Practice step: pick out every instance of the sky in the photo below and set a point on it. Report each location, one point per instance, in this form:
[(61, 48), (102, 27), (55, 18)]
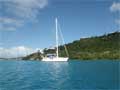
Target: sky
[(29, 25)]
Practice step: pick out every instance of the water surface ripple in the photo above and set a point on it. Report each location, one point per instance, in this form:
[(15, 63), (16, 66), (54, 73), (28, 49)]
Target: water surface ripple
[(72, 75)]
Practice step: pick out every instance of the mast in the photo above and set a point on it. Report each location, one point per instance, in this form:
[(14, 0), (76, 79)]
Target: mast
[(56, 22)]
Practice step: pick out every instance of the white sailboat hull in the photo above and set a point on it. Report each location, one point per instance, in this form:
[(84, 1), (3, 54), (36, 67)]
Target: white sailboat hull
[(55, 59)]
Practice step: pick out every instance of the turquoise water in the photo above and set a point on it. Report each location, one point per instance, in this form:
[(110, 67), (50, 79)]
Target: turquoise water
[(72, 75)]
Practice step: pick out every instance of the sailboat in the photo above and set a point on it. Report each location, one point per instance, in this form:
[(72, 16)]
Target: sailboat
[(55, 57)]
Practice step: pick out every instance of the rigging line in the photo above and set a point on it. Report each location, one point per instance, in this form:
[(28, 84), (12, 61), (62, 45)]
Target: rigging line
[(53, 36), (66, 50), (118, 20)]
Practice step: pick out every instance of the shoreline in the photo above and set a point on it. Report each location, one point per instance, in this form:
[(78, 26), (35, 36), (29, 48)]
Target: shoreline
[(68, 60)]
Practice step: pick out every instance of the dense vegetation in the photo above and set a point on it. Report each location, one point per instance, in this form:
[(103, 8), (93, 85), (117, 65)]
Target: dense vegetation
[(98, 47)]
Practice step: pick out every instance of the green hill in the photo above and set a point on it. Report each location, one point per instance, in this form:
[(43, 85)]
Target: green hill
[(98, 47)]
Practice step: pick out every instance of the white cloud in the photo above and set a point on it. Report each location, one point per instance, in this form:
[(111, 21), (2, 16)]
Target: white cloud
[(6, 20), (16, 51), (10, 28), (10, 24), (115, 7), (17, 11), (24, 8)]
